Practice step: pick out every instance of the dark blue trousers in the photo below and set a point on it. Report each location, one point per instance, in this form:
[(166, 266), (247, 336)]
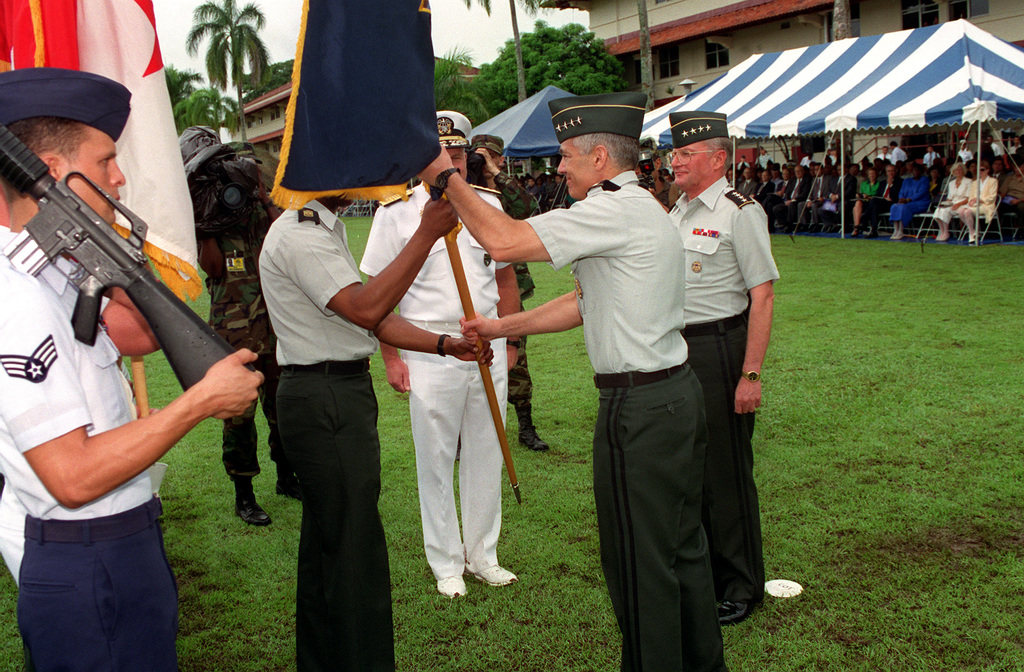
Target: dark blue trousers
[(108, 605)]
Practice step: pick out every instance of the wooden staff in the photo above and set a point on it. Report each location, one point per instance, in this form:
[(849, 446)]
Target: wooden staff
[(139, 385), (485, 371)]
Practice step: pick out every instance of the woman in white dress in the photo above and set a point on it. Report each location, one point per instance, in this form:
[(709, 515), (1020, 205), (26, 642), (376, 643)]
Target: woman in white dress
[(986, 204), (957, 195)]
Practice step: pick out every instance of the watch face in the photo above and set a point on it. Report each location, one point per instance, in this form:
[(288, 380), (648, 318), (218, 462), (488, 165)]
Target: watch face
[(752, 376)]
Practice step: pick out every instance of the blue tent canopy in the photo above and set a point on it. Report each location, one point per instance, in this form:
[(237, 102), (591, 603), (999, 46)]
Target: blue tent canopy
[(526, 128), (950, 74)]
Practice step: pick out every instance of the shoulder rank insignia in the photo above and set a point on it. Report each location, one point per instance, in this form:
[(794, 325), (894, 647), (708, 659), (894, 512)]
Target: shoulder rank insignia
[(739, 199), (396, 198), (608, 185), (309, 215), (488, 190), (34, 367)]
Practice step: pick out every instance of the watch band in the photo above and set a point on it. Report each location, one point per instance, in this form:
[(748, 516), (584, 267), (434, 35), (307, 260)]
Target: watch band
[(440, 344), (514, 342), (441, 181)]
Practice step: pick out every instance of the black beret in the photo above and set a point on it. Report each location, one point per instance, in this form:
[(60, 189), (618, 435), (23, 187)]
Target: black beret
[(69, 94), (691, 127), (619, 113)]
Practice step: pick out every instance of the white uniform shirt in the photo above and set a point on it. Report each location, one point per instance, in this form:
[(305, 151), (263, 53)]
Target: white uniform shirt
[(433, 296), (728, 251), (628, 263), (897, 155), (302, 266), (82, 387)]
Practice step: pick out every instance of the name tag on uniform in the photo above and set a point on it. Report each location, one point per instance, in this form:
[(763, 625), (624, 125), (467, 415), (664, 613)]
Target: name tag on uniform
[(705, 232), (235, 264)]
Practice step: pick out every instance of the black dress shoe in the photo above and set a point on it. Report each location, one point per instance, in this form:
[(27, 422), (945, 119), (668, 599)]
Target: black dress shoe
[(289, 487), (732, 613), (252, 513), (871, 234)]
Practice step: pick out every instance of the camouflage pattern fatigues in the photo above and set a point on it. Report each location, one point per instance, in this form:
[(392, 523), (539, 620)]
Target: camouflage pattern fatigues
[(518, 203), (238, 313)]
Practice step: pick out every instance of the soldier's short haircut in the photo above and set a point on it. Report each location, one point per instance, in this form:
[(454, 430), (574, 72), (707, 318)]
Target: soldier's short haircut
[(54, 135), (623, 150), (723, 144)]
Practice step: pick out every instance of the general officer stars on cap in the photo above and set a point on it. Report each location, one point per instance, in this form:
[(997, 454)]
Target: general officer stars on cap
[(691, 127), (619, 113)]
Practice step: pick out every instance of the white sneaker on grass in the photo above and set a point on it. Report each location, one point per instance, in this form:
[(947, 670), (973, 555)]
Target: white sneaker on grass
[(496, 576), (452, 586)]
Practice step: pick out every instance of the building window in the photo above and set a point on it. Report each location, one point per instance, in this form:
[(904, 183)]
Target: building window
[(919, 13), (668, 61), (965, 9), (275, 113), (716, 55)]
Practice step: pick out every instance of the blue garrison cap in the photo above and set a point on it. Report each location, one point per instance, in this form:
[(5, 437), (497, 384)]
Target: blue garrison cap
[(70, 94)]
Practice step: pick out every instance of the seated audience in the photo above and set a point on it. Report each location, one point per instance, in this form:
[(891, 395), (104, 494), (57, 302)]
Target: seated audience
[(887, 195), (1011, 196), (913, 199), (935, 179), (748, 183), (868, 190), (840, 192), (957, 195), (784, 186), (929, 156), (794, 198), (985, 203)]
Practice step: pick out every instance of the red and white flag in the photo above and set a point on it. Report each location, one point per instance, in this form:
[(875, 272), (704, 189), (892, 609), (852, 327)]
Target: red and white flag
[(118, 39)]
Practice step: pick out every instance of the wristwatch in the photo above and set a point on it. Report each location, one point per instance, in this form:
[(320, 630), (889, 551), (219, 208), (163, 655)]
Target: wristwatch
[(752, 376), (441, 181)]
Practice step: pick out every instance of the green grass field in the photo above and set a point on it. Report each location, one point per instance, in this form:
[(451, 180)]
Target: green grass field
[(889, 464)]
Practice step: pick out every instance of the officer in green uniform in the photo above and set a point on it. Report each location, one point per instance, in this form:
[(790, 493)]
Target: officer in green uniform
[(729, 298), (239, 315), (517, 203), (327, 323), (650, 435)]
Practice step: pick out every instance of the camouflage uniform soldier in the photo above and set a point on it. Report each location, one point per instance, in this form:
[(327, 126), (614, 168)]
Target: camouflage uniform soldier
[(519, 204), (238, 313)]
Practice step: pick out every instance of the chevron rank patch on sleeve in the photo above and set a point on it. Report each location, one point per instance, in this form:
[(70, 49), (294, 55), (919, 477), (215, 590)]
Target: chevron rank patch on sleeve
[(36, 366)]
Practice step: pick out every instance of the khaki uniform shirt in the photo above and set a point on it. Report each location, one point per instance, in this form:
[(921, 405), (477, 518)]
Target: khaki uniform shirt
[(728, 251), (627, 260), (304, 263)]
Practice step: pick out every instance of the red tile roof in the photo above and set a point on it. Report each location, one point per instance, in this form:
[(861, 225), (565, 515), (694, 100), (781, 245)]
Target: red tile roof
[(717, 22)]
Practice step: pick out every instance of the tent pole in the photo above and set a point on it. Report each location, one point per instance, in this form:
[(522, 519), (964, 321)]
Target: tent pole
[(734, 164), (842, 186), (977, 189)]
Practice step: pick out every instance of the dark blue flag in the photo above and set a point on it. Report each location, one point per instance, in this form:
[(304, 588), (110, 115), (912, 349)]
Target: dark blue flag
[(361, 119)]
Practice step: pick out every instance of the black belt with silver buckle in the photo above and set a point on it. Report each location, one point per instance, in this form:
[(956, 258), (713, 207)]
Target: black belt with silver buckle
[(634, 378), (349, 368), (104, 528), (716, 327)]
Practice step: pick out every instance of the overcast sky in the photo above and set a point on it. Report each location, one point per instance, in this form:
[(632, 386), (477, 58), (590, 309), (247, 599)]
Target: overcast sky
[(453, 26)]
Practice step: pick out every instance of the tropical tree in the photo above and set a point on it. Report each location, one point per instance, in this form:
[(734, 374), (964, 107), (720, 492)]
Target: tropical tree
[(234, 46), (570, 57), (531, 8), (841, 19), (453, 90), (207, 107), (180, 83), (646, 66)]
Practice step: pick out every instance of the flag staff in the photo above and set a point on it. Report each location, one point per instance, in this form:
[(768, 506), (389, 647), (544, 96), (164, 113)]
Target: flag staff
[(485, 371)]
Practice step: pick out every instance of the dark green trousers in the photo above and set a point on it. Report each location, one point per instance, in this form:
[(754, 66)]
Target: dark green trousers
[(648, 468), (343, 609), (731, 513)]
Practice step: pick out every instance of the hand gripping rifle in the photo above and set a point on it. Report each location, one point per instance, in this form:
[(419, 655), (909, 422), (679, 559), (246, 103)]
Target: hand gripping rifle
[(66, 225)]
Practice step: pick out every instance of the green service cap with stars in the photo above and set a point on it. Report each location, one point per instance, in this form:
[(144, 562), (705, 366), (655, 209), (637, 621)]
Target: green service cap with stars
[(620, 113), (691, 127)]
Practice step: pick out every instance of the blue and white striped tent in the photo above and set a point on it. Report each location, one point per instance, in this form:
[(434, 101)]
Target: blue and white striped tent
[(951, 74)]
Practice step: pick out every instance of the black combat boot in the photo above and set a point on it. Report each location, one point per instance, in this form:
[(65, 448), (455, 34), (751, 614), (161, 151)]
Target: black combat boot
[(246, 507), (527, 432)]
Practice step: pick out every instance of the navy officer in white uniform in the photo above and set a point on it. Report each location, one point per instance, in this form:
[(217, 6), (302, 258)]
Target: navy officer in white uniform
[(730, 274), (650, 435), (447, 399), (95, 591)]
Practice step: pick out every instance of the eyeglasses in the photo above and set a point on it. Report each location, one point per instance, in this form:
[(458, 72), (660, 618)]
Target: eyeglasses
[(684, 156)]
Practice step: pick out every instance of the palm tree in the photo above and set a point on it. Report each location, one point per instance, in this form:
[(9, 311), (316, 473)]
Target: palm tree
[(234, 45), (646, 68), (207, 107), (453, 90), (180, 83), (841, 19), (531, 7)]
